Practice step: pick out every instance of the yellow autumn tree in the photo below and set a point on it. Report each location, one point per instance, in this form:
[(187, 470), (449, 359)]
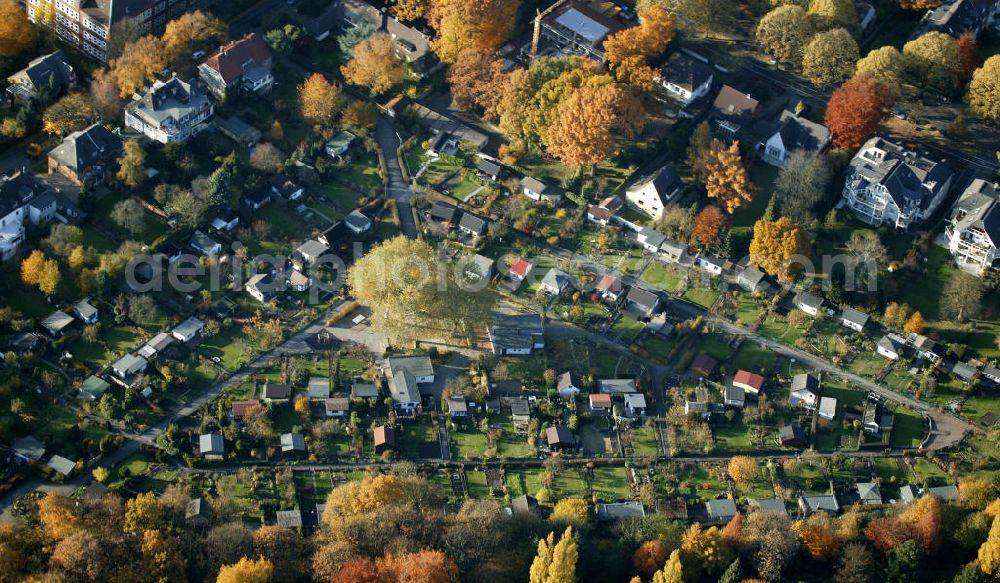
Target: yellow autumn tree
[(989, 552), (461, 24), (319, 99), (138, 64), (573, 510), (819, 536), (629, 51), (374, 64), (50, 277), (130, 166), (590, 121), (190, 29), (408, 10), (16, 32), (247, 571), (672, 572), (555, 562), (71, 113), (705, 549), (32, 267), (727, 179), (776, 245), (742, 469), (916, 323)]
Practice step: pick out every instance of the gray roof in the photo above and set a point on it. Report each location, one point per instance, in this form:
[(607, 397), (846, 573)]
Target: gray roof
[(490, 167), (791, 432), (643, 297), (520, 407), (87, 147), (805, 381), (403, 387), (620, 510), (202, 241), (443, 212), (538, 186), (887, 342), (808, 299), (912, 181), (129, 364), (29, 447), (197, 508), (168, 102), (189, 327), (292, 442), (869, 492), (413, 44), (991, 371), (312, 249), (47, 71), (722, 509), (827, 502), (964, 370), (665, 181), (798, 133), (419, 365), (617, 386), (908, 493), (288, 518), (57, 321), (364, 390), (440, 123), (358, 221), (523, 504), (734, 394), (635, 400), (686, 72), (473, 223), (856, 316), (652, 237), (319, 387), (557, 279), (61, 465), (946, 493), (277, 391), (94, 386), (828, 406), (769, 505), (17, 189), (211, 443), (515, 331), (979, 209), (85, 309)]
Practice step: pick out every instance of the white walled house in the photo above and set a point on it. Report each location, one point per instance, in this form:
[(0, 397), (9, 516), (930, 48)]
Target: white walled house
[(169, 111), (651, 193), (17, 192), (973, 231), (243, 65), (794, 133), (685, 78), (887, 184)]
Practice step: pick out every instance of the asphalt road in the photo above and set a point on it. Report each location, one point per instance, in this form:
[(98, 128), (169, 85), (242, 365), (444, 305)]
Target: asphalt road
[(398, 189)]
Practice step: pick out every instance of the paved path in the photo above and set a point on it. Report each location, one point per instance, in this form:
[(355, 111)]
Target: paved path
[(388, 141)]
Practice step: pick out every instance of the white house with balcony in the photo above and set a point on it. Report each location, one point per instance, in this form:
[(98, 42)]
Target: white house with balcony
[(18, 192), (973, 231), (169, 111), (887, 184)]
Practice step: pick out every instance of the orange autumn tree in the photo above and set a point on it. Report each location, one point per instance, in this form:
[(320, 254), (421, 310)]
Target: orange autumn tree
[(709, 224), (477, 80), (775, 245), (423, 566), (727, 178), (374, 64), (855, 110), (589, 122), (356, 571), (969, 55), (919, 5), (629, 51), (190, 29), (915, 323), (16, 32), (732, 534), (649, 557), (924, 517), (461, 24), (319, 99), (819, 536)]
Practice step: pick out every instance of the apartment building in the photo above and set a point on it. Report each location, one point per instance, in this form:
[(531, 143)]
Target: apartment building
[(973, 231)]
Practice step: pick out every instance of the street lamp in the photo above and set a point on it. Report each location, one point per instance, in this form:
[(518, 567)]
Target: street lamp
[(791, 361)]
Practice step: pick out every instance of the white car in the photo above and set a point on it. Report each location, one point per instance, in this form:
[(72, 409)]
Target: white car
[(197, 55)]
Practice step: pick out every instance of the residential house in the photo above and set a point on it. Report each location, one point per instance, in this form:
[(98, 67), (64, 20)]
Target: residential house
[(516, 334), (854, 319), (651, 193), (263, 287), (650, 239), (310, 252), (617, 386), (291, 519), (504, 389), (443, 213), (733, 396), (457, 407), (404, 392), (794, 133), (537, 190), (559, 437), (672, 251), (286, 188), (703, 365), (61, 465), (412, 45), (600, 404), (827, 408), (973, 231), (198, 513), (93, 388), (17, 192), (403, 374), (472, 225), (791, 435), (610, 287), (245, 135), (257, 199), (276, 392), (156, 345), (965, 371), (925, 348), (188, 330), (211, 446), (87, 157), (225, 220), (887, 184), (519, 270), (339, 145), (363, 390), (242, 65), (635, 405), (872, 419), (732, 111), (477, 267), (47, 75), (297, 280), (960, 17), (357, 223), (641, 302), (711, 263), (205, 243), (524, 505), (992, 373), (358, 12), (337, 407), (454, 131), (720, 511), (240, 409), (808, 303), (556, 281), (751, 383), (318, 388), (27, 343), (821, 503), (520, 413), (599, 215), (568, 384), (869, 494), (804, 391), (768, 505), (126, 367), (576, 28), (947, 493), (292, 444), (489, 170), (384, 438), (889, 347), (614, 511), (751, 279), (686, 78), (28, 449), (56, 323), (169, 111), (696, 408)]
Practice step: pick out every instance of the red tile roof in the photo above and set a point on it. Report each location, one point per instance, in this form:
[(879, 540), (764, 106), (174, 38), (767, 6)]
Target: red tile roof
[(240, 408), (610, 283), (704, 364), (230, 58), (600, 401), (520, 268), (749, 379)]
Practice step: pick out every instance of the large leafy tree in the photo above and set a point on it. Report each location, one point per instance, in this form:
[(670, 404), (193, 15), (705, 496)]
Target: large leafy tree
[(131, 172), (830, 57), (138, 64), (709, 224), (775, 245), (189, 30), (590, 121), (460, 24), (829, 14), (801, 184), (727, 179), (16, 32), (984, 90), (855, 110), (374, 64), (629, 51), (319, 99), (71, 113), (408, 10), (886, 64), (962, 296), (934, 60), (784, 32), (555, 562), (989, 552), (247, 571), (477, 81)]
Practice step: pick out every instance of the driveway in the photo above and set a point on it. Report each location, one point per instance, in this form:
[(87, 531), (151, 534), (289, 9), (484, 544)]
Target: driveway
[(398, 189)]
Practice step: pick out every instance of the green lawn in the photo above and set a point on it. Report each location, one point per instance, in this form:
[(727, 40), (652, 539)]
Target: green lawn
[(225, 347), (923, 291), (644, 441), (704, 297), (731, 436), (907, 429), (781, 331), (762, 176), (340, 196), (476, 483), (610, 484), (468, 442), (662, 275), (752, 356), (867, 364)]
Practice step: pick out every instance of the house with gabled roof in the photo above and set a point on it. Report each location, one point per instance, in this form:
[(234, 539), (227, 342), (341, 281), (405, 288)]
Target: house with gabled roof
[(770, 505), (57, 322), (808, 303), (276, 392), (827, 408), (720, 511), (650, 239), (854, 319), (292, 443), (560, 437), (821, 503), (472, 225), (869, 494), (384, 438), (93, 388), (610, 287), (649, 194), (732, 111), (751, 383), (516, 334), (170, 111), (128, 366), (205, 243), (537, 190), (889, 347), (577, 28), (211, 446), (87, 157), (804, 391), (973, 230), (411, 45), (556, 281), (643, 302), (285, 187), (686, 78), (188, 330), (794, 133), (243, 65), (198, 513), (48, 74), (568, 384), (600, 404)]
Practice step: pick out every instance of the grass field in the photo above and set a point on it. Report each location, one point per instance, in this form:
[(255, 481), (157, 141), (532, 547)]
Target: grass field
[(907, 429), (662, 275), (610, 484)]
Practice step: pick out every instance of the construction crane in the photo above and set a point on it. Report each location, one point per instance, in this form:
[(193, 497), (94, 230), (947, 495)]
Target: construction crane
[(536, 34)]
